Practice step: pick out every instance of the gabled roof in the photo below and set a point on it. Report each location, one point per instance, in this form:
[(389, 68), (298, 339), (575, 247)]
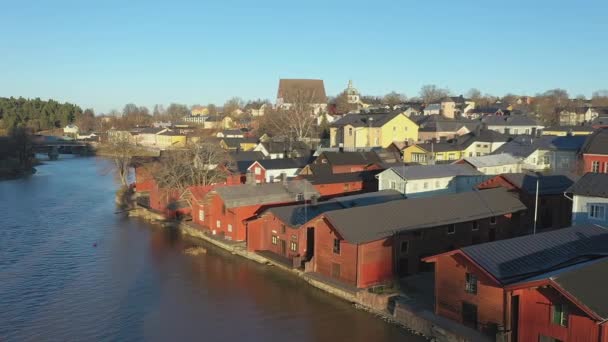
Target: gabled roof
[(246, 156), (591, 184), (236, 142), (524, 145), (275, 146), (509, 120), (283, 163), (596, 143), (440, 147), (439, 123), (577, 128), (323, 177), (512, 260), (350, 158), (296, 215), (587, 284), (434, 171), (547, 184), (268, 193), (375, 222), (366, 119), (492, 160), (309, 90), (482, 136)]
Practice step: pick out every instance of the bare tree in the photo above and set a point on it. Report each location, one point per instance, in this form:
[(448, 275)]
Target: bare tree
[(342, 104), (199, 164), (600, 98), (232, 105), (121, 150), (549, 104), (431, 93), (474, 94), (295, 121), (393, 98)]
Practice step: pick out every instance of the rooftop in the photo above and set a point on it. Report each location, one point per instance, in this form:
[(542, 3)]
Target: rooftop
[(509, 120), (492, 160), (261, 194), (547, 184), (291, 90), (591, 184), (597, 142), (434, 171)]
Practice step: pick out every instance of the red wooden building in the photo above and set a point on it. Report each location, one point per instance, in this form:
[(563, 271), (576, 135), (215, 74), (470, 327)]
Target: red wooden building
[(509, 289), (595, 152), (284, 232), (371, 245), (554, 209), (344, 162), (227, 207), (329, 184)]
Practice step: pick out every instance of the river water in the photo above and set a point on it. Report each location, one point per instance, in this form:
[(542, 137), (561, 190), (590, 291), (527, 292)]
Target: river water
[(73, 270)]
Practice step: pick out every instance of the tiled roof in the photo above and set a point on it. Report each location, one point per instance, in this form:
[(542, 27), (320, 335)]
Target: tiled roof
[(591, 184), (515, 259), (375, 222), (296, 215), (260, 194)]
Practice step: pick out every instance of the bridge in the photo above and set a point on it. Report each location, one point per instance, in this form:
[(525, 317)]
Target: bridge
[(53, 148)]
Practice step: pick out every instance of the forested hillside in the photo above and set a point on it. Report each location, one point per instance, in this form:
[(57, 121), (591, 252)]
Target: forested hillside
[(36, 114)]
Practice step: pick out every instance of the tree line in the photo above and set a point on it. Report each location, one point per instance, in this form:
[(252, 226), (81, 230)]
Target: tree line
[(36, 114)]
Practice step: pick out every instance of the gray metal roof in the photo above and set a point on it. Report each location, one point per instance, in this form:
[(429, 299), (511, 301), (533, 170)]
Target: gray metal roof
[(591, 184), (251, 194), (296, 215), (366, 119), (509, 120), (515, 259), (547, 184), (587, 285), (597, 142), (375, 222), (434, 171), (523, 146), (492, 160)]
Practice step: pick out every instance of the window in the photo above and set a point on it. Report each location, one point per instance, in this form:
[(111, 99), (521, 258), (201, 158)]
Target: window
[(451, 229), (418, 157), (493, 220), (425, 185), (414, 186), (437, 184), (439, 156), (597, 211), (478, 154), (470, 154), (559, 314), (336, 246), (201, 215), (293, 246), (478, 145), (470, 285), (324, 161), (299, 197), (393, 185), (283, 229), (595, 166), (486, 146), (257, 170), (350, 131), (346, 187), (546, 160), (451, 156), (405, 246), (515, 131), (218, 224), (527, 131), (475, 225), (229, 227), (275, 239)]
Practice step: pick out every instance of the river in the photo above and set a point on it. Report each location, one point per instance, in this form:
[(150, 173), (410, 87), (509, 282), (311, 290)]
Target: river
[(73, 270)]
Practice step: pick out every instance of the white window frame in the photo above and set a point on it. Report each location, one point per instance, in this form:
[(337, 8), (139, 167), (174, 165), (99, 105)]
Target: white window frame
[(392, 185), (257, 170), (230, 227), (597, 211), (595, 166), (218, 224), (201, 215)]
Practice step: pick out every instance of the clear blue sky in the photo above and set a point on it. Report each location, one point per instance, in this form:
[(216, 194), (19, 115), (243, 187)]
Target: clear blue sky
[(103, 54)]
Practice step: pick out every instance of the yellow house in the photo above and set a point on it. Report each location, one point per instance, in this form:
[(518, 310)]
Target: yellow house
[(170, 139), (562, 131), (430, 153), (372, 130)]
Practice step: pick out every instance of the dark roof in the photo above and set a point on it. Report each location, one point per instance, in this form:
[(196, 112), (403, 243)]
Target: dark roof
[(547, 185), (439, 123), (296, 215), (483, 135), (334, 178), (435, 171), (283, 163), (275, 146), (350, 158), (375, 222), (524, 145), (236, 142), (440, 146), (597, 142), (586, 284), (591, 184), (509, 120), (310, 90), (523, 257), (246, 156), (366, 119), (260, 194), (578, 128)]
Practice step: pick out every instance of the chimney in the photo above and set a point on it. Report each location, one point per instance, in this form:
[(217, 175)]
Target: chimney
[(284, 178), (249, 178)]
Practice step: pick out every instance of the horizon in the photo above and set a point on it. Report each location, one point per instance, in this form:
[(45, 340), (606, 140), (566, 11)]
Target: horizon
[(103, 56)]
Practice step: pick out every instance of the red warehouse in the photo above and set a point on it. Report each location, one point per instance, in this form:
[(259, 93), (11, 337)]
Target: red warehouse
[(595, 152), (521, 289), (328, 184), (227, 207), (371, 245), (282, 233)]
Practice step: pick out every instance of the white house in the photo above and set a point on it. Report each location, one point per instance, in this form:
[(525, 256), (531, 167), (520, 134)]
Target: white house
[(494, 164), (590, 200), (428, 180), (71, 129), (273, 170), (512, 124)]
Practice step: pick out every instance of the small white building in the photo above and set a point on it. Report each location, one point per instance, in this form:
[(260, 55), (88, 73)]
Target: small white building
[(71, 130), (494, 164), (427, 180), (273, 170)]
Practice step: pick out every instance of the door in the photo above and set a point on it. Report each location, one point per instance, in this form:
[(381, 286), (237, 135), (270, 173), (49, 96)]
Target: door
[(283, 245), (469, 315), (514, 318), (403, 267), (492, 234), (310, 243)]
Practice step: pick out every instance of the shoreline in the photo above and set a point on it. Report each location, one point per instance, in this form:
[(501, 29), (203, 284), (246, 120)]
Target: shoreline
[(415, 320)]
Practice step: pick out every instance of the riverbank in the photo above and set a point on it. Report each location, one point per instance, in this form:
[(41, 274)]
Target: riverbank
[(391, 307), (13, 170)]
